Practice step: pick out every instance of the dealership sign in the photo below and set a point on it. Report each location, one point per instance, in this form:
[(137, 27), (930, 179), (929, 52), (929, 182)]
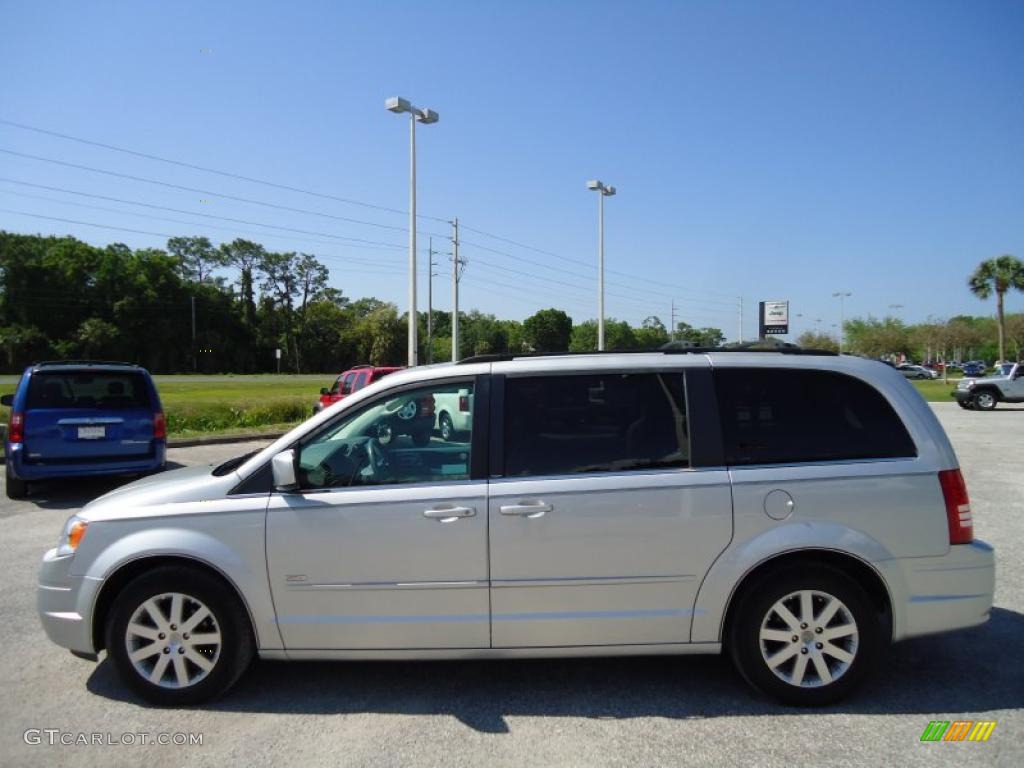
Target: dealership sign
[(774, 318)]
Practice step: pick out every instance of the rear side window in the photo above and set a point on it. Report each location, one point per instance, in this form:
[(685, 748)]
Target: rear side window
[(772, 416), (360, 382), (612, 422), (107, 390)]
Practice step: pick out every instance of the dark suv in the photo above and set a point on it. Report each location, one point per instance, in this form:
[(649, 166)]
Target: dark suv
[(75, 418)]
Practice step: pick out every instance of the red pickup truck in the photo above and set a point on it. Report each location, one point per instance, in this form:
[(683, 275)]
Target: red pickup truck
[(351, 381)]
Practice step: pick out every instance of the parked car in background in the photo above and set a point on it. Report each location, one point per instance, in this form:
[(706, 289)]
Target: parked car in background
[(975, 368), (73, 418), (454, 413), (351, 381), (1005, 385), (917, 371), (796, 512)]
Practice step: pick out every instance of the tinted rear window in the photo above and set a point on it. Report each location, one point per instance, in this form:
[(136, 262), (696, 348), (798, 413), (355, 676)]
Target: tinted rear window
[(99, 390), (611, 422), (772, 416)]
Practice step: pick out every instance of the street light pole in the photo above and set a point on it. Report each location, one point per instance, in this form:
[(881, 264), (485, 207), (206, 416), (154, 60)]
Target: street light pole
[(842, 296), (603, 192), (427, 116)]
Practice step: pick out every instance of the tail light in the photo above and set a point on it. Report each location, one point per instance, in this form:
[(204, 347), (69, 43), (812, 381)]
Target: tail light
[(16, 428), (958, 506), (464, 403), (159, 426)]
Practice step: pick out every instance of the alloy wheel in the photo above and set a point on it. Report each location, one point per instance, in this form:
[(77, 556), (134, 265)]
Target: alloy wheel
[(809, 639), (173, 640)]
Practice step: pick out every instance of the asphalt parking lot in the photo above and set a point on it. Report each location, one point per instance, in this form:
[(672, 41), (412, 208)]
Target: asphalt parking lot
[(654, 711)]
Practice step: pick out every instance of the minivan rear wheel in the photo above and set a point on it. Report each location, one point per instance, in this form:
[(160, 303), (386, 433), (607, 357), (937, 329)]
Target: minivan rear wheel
[(178, 636), (808, 637), (16, 488)]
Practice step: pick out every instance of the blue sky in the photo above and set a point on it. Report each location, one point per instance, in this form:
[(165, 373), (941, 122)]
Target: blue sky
[(767, 150)]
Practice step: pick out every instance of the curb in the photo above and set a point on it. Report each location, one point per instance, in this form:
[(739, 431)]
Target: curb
[(192, 441)]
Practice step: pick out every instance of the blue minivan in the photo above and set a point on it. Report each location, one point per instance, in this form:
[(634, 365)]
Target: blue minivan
[(82, 417)]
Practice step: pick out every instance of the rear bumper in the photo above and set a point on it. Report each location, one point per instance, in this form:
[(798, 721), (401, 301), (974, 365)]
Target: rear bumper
[(938, 594), (64, 603), (24, 470)]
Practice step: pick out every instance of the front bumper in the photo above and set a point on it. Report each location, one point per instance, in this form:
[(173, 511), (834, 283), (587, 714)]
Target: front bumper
[(939, 594), (962, 395), (65, 603)]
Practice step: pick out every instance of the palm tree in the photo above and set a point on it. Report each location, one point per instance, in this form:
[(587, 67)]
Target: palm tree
[(998, 275)]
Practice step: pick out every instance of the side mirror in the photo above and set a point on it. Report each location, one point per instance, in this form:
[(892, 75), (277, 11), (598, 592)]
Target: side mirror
[(324, 391), (282, 467), (7, 400)]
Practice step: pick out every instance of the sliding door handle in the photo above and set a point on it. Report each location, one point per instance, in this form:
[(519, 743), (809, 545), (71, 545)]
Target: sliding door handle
[(532, 509), (449, 514)]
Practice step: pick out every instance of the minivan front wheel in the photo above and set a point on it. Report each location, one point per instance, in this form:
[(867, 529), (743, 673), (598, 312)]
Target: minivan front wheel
[(808, 638), (179, 636)]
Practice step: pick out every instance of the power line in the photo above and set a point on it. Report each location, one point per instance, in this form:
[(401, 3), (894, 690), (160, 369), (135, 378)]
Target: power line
[(377, 243), (196, 190), (198, 225), (226, 174)]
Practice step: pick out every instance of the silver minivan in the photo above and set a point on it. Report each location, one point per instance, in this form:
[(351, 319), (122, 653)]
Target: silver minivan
[(797, 511)]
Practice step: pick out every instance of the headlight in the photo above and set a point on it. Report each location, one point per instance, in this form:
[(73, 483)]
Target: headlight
[(72, 535), (966, 384)]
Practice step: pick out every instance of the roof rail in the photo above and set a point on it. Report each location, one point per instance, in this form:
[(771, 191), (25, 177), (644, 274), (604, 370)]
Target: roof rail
[(505, 356), (54, 363)]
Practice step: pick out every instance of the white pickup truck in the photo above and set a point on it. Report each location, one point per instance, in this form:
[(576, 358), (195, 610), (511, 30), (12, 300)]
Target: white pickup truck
[(454, 413), (1006, 385)]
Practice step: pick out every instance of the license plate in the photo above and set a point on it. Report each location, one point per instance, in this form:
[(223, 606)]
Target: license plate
[(91, 433)]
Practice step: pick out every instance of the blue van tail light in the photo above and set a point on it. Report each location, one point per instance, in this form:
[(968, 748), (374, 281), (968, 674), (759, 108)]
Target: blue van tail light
[(16, 427), (159, 426)]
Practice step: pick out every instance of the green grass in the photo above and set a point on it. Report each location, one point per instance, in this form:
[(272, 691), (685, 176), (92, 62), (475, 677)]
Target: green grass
[(937, 391), (200, 405)]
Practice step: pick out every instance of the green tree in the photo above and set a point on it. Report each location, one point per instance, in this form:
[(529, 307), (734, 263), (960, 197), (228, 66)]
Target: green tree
[(651, 334), (548, 330), (196, 256), (812, 340), (876, 338), (702, 337), (618, 334), (998, 276)]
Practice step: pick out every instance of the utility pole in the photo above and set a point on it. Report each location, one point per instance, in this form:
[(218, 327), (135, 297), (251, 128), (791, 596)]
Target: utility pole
[(455, 290), (741, 319), (430, 300), (842, 296), (195, 362), (672, 327)]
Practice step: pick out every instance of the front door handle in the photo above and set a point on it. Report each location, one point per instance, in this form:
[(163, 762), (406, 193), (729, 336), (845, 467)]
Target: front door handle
[(532, 509), (449, 514)]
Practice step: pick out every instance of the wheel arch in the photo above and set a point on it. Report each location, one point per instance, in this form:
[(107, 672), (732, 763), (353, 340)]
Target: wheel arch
[(856, 568), (994, 390), (128, 571)]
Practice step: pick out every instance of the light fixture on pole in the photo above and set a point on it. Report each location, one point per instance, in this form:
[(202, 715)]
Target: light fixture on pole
[(605, 191), (426, 116), (842, 296)]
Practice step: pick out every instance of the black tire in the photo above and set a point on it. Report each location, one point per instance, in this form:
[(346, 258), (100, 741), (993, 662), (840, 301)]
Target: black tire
[(964, 404), (756, 607), (421, 437), (985, 400), (447, 427), (236, 649), (15, 487)]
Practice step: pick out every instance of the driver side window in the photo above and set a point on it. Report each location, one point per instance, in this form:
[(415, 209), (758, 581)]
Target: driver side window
[(419, 435)]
